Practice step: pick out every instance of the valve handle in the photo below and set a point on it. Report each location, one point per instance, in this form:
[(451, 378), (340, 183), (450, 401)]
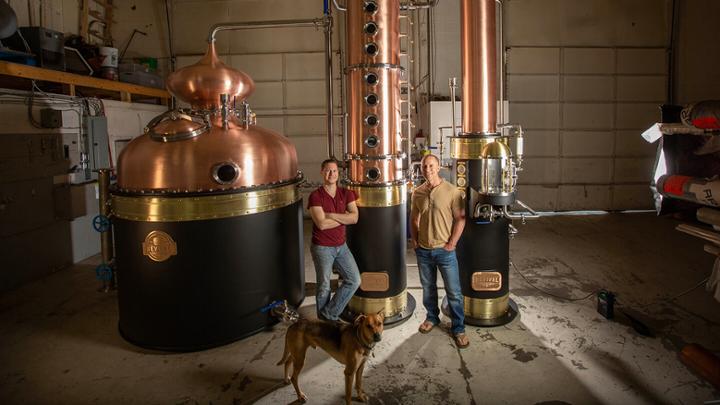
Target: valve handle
[(104, 272), (271, 305), (101, 223)]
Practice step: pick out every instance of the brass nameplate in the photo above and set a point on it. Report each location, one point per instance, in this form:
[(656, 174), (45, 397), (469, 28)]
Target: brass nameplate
[(374, 281), (487, 281), (159, 246)]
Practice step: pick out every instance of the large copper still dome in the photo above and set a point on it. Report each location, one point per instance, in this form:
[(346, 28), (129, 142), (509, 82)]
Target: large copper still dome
[(204, 149), (201, 84)]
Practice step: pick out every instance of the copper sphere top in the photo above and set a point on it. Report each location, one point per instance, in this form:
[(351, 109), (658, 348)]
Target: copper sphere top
[(201, 84)]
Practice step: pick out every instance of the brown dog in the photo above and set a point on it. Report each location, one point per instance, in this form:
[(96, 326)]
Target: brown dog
[(348, 344)]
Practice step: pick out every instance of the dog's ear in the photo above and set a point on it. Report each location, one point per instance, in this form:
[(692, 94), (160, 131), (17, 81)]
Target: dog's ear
[(359, 319), (381, 313)]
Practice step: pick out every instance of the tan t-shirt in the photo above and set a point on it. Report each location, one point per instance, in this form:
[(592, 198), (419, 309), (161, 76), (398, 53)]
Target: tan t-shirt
[(435, 208)]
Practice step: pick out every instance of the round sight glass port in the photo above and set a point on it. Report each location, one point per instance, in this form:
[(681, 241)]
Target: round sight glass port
[(372, 141), (372, 99), (372, 120), (225, 173), (372, 49), (370, 28), (371, 79), (373, 174), (370, 7)]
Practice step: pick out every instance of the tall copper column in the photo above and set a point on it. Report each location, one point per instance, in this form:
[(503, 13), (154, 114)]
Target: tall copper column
[(479, 66), (485, 172), (378, 241)]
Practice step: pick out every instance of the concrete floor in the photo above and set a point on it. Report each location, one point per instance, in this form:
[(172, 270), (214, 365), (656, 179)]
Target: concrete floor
[(59, 342)]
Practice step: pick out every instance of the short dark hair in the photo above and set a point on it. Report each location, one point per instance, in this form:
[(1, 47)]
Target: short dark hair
[(327, 162)]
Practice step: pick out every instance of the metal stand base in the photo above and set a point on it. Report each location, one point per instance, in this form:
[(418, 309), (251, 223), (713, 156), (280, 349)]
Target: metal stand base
[(506, 318), (390, 322)]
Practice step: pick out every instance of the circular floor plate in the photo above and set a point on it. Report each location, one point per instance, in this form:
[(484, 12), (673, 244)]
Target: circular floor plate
[(392, 321), (506, 318)]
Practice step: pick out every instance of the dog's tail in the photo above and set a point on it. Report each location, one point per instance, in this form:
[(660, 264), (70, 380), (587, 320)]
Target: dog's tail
[(286, 353)]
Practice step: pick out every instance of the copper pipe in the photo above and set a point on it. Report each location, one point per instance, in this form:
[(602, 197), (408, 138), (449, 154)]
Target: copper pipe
[(316, 22), (479, 66)]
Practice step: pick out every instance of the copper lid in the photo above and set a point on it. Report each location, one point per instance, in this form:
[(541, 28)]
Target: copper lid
[(176, 126), (201, 84)]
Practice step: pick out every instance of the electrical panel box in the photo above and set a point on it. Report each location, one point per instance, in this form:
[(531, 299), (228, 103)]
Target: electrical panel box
[(98, 146)]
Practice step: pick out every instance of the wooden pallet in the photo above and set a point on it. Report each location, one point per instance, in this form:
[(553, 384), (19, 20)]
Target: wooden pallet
[(16, 76)]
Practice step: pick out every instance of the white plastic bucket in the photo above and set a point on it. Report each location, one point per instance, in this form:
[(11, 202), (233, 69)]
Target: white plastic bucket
[(109, 56)]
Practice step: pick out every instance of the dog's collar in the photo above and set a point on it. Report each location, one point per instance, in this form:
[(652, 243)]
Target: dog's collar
[(367, 347)]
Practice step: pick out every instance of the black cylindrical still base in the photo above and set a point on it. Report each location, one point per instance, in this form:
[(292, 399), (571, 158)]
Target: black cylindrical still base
[(378, 242), (212, 291), (484, 257)]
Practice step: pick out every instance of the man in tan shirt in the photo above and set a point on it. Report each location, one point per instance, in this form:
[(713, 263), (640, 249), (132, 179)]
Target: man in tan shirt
[(437, 219)]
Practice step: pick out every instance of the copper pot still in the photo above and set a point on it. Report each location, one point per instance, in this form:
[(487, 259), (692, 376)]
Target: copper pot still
[(214, 146), (207, 218)]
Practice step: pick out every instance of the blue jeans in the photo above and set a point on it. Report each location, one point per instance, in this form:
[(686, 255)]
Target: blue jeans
[(324, 257), (429, 262)]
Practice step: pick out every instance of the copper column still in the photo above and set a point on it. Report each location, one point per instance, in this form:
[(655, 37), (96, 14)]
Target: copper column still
[(374, 159), (207, 218), (479, 66), (486, 171)]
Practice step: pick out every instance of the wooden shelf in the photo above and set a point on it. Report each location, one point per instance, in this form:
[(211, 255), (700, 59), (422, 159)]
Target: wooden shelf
[(90, 85)]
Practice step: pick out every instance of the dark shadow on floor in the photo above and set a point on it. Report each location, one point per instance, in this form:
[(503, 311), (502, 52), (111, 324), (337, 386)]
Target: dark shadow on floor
[(428, 368)]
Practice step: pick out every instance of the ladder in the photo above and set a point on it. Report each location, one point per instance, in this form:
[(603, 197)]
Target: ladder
[(406, 86), (102, 15)]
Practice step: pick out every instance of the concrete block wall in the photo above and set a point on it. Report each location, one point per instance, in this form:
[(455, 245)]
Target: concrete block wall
[(588, 76), (583, 110)]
